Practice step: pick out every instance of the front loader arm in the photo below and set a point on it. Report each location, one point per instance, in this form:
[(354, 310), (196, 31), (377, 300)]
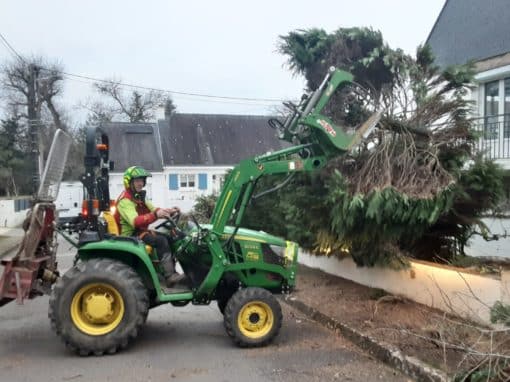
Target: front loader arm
[(316, 137), (239, 186)]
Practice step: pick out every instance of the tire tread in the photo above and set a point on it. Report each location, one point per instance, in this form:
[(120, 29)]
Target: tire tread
[(118, 339)]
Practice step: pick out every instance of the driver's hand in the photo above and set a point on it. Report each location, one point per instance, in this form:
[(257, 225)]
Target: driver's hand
[(173, 211), (162, 213)]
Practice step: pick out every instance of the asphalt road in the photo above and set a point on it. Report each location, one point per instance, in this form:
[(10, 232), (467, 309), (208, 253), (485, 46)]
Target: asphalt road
[(181, 344)]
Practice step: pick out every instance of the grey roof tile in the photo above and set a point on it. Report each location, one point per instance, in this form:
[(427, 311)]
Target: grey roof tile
[(470, 30), (213, 139), (133, 144)]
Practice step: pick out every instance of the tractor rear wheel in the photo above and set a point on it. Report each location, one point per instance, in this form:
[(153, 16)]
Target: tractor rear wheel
[(98, 306), (253, 317)]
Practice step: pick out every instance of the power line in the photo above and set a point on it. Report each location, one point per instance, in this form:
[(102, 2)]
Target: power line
[(9, 46), (148, 88), (195, 99), (141, 87)]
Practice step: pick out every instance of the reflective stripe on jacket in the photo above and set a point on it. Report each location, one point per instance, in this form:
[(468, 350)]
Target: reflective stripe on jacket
[(133, 215)]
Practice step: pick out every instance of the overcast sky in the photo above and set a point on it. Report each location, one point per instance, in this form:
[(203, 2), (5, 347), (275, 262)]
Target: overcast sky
[(218, 47)]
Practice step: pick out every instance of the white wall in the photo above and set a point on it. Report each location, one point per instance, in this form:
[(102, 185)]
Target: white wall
[(463, 294), (500, 248), (8, 215), (159, 192), (185, 198)]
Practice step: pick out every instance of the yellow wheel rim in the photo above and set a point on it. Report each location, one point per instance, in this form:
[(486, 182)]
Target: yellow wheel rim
[(255, 319), (97, 309)]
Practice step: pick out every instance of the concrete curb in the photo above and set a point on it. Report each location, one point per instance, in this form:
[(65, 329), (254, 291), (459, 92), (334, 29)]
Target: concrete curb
[(384, 352)]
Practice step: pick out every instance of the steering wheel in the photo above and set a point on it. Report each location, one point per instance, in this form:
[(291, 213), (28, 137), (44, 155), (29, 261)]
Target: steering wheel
[(170, 222)]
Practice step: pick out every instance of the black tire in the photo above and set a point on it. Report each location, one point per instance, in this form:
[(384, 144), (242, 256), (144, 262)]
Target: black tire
[(222, 298), (260, 315), (180, 303), (110, 285), (222, 304)]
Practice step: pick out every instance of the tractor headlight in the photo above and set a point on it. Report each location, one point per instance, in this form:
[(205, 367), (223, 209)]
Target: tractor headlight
[(287, 253), (280, 251)]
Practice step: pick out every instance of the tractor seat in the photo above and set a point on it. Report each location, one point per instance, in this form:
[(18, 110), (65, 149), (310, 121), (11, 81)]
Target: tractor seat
[(111, 224), (113, 228)]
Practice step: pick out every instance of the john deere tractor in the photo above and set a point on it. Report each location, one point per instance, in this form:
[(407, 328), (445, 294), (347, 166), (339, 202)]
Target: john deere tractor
[(101, 303)]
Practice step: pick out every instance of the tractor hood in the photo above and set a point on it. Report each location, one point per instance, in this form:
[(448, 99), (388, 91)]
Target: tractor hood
[(250, 235)]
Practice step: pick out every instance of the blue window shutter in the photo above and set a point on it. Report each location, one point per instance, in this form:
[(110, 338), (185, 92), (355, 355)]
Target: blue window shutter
[(173, 182), (202, 181)]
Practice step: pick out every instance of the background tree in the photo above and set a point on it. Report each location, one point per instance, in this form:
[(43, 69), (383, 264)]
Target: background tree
[(97, 112), (15, 82), (169, 108), (13, 165), (133, 107)]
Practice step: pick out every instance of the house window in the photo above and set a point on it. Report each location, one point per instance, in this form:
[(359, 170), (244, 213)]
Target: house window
[(490, 130), (221, 180), (187, 180), (218, 181)]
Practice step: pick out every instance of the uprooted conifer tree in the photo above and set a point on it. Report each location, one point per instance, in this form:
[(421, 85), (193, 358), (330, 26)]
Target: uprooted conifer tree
[(415, 186)]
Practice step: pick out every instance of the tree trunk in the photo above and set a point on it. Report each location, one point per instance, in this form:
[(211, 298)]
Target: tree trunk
[(14, 188), (55, 115)]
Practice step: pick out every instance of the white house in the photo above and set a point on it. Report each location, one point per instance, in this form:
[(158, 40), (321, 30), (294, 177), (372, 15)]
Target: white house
[(187, 154), (478, 31)]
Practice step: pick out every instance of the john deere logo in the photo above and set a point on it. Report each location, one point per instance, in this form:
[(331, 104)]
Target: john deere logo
[(326, 126), (253, 256)]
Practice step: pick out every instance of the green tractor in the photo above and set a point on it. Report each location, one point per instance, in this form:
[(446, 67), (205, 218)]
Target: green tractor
[(101, 303)]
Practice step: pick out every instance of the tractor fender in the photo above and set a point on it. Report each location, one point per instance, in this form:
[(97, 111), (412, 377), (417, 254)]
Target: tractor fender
[(130, 253)]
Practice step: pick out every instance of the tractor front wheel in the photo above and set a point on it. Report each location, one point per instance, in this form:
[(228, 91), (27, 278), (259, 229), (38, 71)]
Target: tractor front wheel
[(98, 306), (223, 295), (253, 317)]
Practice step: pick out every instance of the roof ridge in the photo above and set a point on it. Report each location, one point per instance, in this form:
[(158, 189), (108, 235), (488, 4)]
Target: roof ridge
[(435, 23), (221, 115)]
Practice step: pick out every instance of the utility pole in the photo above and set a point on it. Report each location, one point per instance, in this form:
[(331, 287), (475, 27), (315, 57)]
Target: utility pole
[(33, 122)]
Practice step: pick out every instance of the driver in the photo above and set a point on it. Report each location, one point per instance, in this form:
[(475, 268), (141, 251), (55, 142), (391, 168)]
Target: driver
[(134, 214)]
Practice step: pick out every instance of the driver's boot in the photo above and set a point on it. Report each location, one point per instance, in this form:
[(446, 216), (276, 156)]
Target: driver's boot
[(169, 273)]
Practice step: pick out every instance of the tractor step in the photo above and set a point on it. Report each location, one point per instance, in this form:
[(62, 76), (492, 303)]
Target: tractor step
[(5, 300), (176, 289)]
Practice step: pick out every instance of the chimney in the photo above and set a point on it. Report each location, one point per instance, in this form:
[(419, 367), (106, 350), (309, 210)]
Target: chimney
[(160, 113)]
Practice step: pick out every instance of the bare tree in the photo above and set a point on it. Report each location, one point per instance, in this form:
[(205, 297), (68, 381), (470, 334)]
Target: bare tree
[(135, 107), (16, 82), (98, 111), (30, 90)]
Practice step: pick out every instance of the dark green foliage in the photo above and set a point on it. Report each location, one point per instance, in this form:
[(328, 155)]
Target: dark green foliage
[(204, 207), (360, 51), (264, 212), (306, 48), (500, 313), (74, 166), (370, 223), (479, 189), (304, 207), (413, 187), (15, 165), (480, 375), (15, 168)]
